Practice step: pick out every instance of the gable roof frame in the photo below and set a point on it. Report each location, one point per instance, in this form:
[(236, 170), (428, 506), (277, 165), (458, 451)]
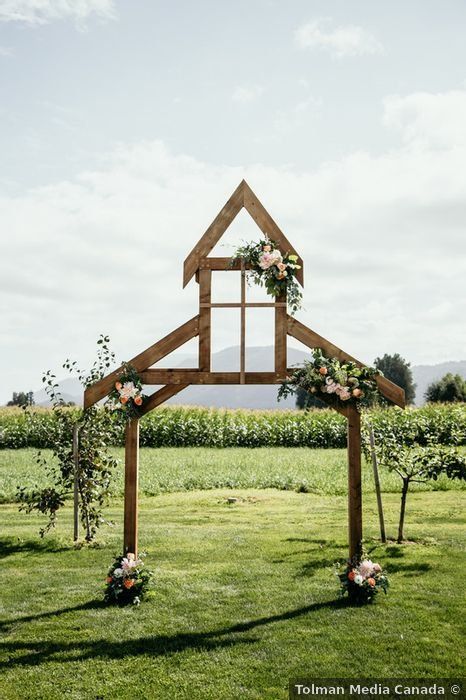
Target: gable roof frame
[(242, 197)]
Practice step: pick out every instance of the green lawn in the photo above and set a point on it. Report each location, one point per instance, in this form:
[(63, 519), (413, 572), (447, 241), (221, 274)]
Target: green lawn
[(245, 599), (186, 468)]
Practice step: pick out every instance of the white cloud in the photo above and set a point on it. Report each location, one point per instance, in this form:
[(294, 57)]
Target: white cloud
[(35, 12), (381, 238), (428, 120), (246, 93), (341, 41)]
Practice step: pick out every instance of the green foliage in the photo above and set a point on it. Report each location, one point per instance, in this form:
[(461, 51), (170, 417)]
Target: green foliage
[(305, 400), (341, 383), (95, 461), (269, 274), (395, 368), (417, 464), (450, 389), (22, 399), (191, 426)]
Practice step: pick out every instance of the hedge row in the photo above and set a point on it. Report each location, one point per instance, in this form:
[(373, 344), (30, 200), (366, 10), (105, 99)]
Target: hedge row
[(174, 426)]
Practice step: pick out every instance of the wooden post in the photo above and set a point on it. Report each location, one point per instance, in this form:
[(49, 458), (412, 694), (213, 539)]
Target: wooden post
[(377, 485), (76, 427), (354, 483), (130, 542), (205, 297), (281, 321), (242, 343)]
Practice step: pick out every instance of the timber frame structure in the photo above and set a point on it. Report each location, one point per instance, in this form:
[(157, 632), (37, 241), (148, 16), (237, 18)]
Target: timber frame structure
[(173, 381)]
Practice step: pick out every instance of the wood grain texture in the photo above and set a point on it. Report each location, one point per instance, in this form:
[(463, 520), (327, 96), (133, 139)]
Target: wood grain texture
[(281, 334), (222, 264), (130, 538), (354, 483), (268, 226), (190, 376), (213, 234), (205, 297), (308, 337), (242, 343), (160, 396), (145, 359)]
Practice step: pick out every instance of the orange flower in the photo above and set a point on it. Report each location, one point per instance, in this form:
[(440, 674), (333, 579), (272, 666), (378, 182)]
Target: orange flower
[(128, 583), (109, 579), (138, 400), (351, 575), (357, 393), (323, 370), (118, 386), (371, 582), (124, 399)]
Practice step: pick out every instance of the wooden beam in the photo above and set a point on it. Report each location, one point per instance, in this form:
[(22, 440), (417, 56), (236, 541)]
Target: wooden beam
[(190, 376), (215, 231), (205, 297), (242, 342), (247, 305), (222, 264), (145, 359), (268, 226), (281, 334), (308, 337), (160, 396), (354, 484), (130, 538)]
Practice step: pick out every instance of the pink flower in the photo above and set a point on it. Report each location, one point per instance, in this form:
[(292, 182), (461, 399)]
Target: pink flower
[(281, 266), (128, 564), (266, 260), (366, 568), (267, 248), (377, 568)]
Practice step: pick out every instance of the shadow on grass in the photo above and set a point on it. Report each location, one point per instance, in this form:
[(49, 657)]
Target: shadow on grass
[(408, 569), (15, 545), (37, 652), (90, 605)]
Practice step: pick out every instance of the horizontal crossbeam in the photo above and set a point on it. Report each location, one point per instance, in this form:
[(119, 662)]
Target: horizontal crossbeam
[(194, 376), (240, 304)]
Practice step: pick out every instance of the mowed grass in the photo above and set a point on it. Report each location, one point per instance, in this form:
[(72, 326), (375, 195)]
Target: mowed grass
[(170, 469), (245, 599)]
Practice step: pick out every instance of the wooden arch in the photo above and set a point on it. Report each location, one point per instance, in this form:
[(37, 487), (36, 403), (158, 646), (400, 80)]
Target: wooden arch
[(175, 380)]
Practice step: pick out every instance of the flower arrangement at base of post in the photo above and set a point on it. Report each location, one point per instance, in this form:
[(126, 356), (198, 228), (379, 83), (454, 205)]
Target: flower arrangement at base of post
[(362, 581), (272, 269), (127, 581), (126, 396), (340, 382)]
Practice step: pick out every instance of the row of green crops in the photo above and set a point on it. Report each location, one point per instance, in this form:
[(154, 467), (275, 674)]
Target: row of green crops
[(180, 426)]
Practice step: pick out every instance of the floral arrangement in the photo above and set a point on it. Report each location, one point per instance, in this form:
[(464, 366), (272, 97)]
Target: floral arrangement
[(363, 581), (127, 581), (126, 395), (272, 269), (343, 382)]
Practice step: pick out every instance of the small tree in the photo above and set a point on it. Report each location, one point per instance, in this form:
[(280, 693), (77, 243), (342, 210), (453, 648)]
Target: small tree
[(395, 368), (450, 389), (419, 465), (22, 399), (95, 462)]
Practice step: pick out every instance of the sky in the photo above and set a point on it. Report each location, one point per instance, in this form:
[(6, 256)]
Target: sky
[(126, 125)]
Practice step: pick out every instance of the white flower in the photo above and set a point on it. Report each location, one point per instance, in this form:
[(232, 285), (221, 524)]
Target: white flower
[(128, 390), (118, 573), (358, 579), (128, 564)]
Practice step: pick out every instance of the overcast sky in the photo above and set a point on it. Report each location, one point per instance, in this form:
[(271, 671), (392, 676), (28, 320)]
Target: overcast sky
[(126, 125)]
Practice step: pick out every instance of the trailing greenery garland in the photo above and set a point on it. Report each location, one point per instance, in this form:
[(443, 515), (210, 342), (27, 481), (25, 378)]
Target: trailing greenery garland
[(340, 382), (272, 269)]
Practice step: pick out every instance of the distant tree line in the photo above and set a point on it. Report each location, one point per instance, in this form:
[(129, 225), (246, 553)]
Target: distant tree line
[(22, 398)]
